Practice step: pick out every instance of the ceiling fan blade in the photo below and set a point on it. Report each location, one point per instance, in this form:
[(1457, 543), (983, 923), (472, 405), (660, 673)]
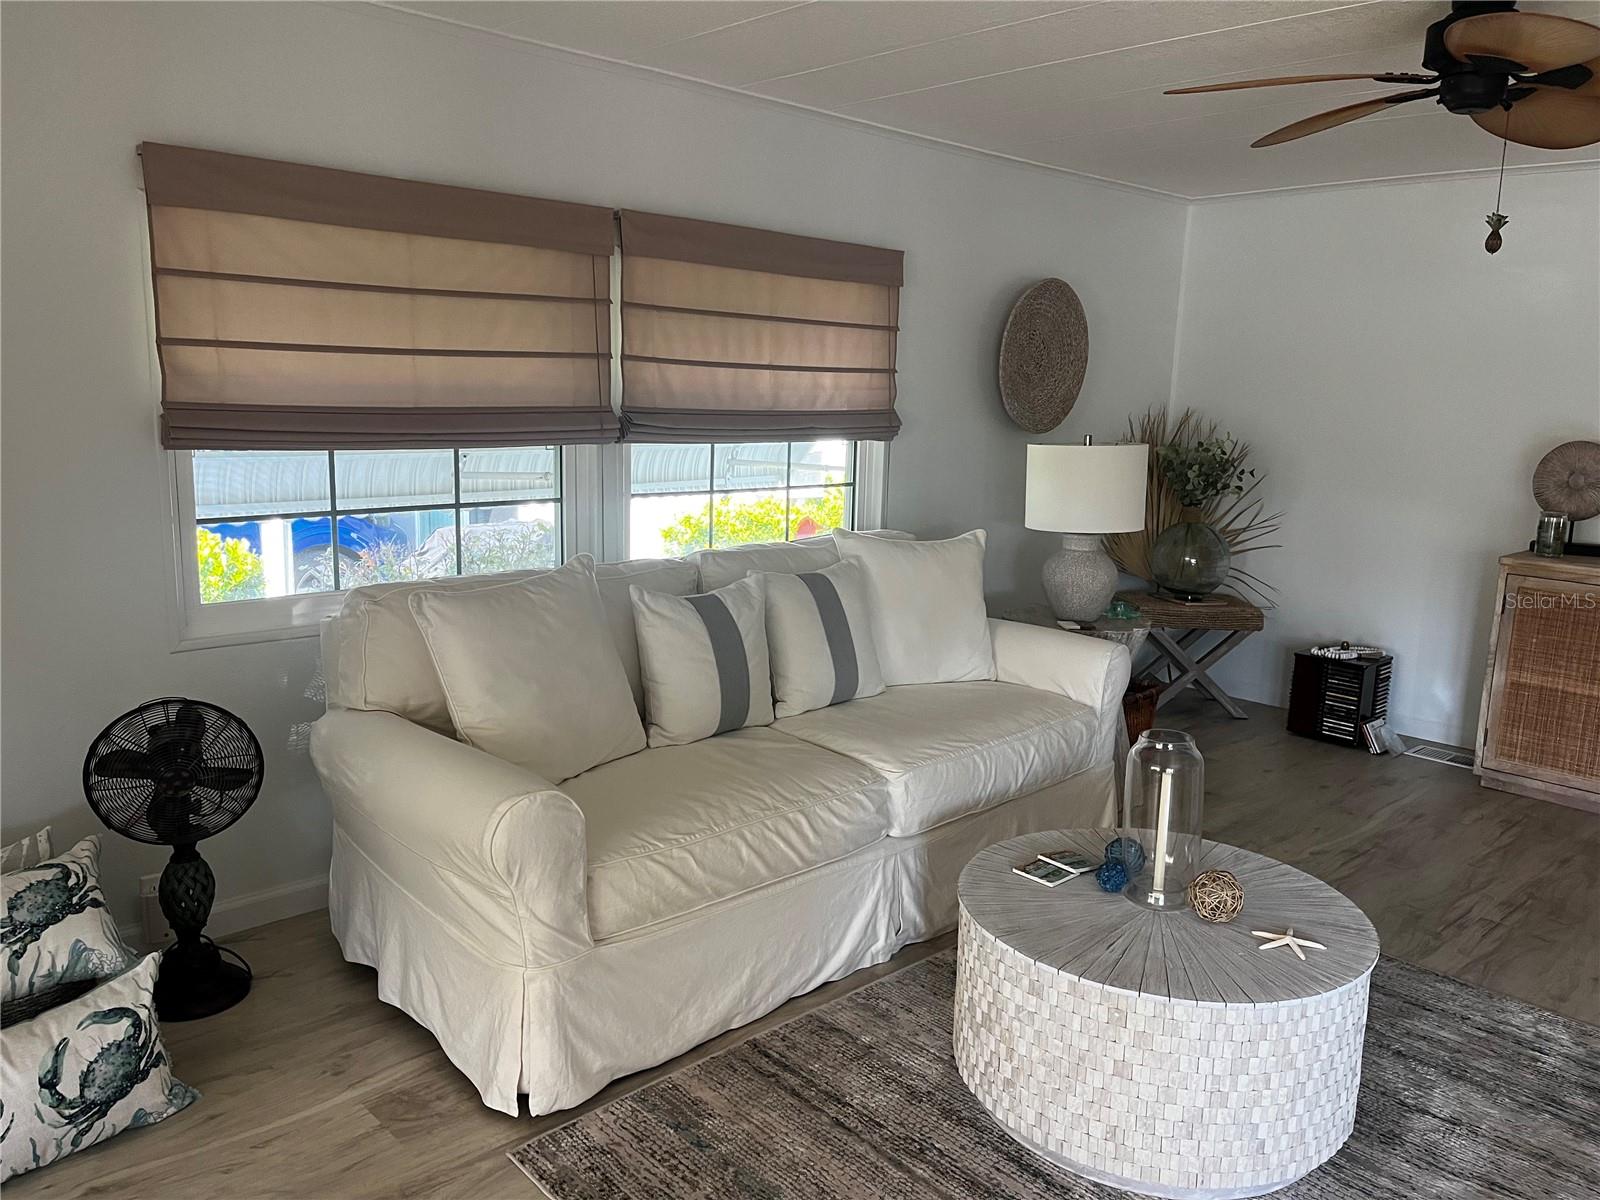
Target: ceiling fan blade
[(1533, 40), (1549, 119), (1392, 77), (1591, 88), (1338, 116)]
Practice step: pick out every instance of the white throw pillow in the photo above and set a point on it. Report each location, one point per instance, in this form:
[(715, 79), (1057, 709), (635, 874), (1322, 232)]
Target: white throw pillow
[(926, 604), (819, 636), (704, 661), (530, 672), (57, 929), (383, 662), (26, 852), (60, 1095)]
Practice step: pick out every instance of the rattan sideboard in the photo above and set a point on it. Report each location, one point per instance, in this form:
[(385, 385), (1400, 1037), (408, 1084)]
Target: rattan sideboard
[(1539, 722)]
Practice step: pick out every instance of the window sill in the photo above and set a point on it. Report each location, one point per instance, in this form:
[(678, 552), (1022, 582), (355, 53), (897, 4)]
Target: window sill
[(244, 622)]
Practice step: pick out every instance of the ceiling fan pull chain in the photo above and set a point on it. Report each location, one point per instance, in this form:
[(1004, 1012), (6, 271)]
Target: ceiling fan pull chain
[(1498, 220)]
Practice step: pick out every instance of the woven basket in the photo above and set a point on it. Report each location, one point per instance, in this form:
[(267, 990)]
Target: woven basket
[(1043, 355)]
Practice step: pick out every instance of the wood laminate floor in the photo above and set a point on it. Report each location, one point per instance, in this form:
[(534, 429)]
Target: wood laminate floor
[(314, 1088)]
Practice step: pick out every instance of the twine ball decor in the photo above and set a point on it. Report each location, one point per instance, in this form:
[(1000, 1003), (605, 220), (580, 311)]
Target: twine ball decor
[(1044, 353), (1216, 896), (1567, 480), (1129, 852), (1112, 876)]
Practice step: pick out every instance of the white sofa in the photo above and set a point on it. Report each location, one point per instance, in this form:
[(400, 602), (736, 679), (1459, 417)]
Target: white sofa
[(555, 938)]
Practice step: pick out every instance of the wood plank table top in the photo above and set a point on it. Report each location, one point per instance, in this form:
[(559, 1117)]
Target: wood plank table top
[(1107, 939), (1165, 612)]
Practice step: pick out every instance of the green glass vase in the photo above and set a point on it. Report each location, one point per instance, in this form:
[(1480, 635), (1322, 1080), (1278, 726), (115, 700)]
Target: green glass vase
[(1190, 559)]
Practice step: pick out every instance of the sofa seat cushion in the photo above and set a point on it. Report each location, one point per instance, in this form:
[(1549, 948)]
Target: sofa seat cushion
[(949, 749), (674, 828)]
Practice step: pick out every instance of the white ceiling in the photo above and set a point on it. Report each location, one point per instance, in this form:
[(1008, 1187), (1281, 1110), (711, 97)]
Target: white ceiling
[(1074, 84)]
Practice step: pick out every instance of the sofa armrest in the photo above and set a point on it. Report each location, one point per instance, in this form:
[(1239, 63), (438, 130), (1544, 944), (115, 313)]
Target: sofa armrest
[(480, 819), (1091, 671)]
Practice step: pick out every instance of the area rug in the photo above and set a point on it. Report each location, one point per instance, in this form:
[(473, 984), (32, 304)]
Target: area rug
[(1464, 1094)]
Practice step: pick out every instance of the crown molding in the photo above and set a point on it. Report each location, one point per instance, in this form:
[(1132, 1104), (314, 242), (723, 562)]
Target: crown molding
[(1545, 168)]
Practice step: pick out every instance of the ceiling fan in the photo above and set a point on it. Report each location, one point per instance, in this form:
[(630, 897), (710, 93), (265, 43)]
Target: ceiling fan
[(1524, 77)]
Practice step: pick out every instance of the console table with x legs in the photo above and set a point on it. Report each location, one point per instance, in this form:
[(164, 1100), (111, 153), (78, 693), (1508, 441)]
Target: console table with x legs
[(1177, 631)]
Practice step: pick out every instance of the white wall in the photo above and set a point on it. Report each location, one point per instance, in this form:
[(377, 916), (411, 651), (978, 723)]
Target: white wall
[(87, 533), (1398, 385)]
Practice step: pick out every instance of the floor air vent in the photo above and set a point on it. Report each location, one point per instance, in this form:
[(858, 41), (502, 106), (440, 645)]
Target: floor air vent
[(1438, 754)]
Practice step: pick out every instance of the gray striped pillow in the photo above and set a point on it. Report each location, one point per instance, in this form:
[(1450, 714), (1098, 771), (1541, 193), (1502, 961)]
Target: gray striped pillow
[(703, 660), (820, 639)]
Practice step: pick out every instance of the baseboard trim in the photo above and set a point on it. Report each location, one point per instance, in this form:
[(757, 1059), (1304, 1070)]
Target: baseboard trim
[(245, 911)]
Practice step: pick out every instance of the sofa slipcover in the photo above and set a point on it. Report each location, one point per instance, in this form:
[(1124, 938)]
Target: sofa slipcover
[(492, 902), (948, 749), (674, 828)]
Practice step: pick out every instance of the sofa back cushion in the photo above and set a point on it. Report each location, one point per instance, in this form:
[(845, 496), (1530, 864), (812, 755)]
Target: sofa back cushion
[(529, 670), (661, 576), (720, 567), (374, 656)]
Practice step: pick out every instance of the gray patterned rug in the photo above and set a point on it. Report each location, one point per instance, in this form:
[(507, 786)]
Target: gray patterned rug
[(1464, 1094)]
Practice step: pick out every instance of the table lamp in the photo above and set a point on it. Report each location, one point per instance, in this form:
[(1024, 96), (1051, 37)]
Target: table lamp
[(1082, 492)]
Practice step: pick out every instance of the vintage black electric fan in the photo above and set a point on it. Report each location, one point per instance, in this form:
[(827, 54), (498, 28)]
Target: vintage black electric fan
[(169, 773)]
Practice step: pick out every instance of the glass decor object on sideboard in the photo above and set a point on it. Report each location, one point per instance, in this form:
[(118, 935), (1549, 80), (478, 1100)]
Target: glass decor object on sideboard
[(1551, 541), (1162, 800)]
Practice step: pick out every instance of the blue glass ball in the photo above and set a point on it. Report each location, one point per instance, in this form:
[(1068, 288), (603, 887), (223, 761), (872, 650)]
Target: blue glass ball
[(1127, 851), (1112, 876)]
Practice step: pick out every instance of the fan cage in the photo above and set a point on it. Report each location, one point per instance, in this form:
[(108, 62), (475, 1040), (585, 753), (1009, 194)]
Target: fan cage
[(224, 743)]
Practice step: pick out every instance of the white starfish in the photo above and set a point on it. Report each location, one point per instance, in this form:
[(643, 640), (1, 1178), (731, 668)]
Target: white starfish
[(1288, 939)]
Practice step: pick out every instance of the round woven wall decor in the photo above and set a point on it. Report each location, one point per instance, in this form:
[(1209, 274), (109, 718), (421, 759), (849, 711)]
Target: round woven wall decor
[(1567, 480), (1043, 355)]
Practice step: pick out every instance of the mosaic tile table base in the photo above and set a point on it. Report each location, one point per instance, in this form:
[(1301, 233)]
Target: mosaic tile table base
[(1153, 1051)]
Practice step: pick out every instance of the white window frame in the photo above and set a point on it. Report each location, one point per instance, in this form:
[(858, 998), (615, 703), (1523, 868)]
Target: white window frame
[(594, 520)]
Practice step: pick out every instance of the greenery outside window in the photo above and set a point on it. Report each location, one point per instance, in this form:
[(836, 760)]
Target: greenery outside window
[(684, 498), (271, 523)]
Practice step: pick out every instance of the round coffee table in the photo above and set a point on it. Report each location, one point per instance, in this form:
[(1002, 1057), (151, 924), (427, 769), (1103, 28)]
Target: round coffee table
[(1152, 1051)]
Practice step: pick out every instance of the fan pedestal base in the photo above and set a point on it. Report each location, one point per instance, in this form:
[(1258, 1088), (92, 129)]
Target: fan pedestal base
[(196, 981)]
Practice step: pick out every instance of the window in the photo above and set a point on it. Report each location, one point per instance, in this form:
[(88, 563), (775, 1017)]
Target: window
[(269, 539), (272, 523), (683, 498)]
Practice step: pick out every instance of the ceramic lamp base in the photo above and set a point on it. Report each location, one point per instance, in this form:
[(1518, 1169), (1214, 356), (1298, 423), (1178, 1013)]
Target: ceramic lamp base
[(1080, 578)]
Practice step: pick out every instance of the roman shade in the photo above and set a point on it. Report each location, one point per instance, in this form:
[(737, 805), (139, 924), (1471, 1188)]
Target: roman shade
[(298, 306), (733, 334)]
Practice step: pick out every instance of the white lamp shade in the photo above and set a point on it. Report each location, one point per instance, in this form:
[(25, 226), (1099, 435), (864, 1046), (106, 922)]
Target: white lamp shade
[(1086, 489)]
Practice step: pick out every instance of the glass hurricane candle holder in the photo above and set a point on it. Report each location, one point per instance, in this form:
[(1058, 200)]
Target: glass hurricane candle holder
[(1551, 539), (1162, 802)]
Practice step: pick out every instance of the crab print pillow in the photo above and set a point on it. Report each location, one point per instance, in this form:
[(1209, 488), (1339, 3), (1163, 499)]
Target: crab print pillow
[(56, 929), (84, 1072)]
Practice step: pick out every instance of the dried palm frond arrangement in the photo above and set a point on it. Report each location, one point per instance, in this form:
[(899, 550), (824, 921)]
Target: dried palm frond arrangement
[(1237, 514)]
